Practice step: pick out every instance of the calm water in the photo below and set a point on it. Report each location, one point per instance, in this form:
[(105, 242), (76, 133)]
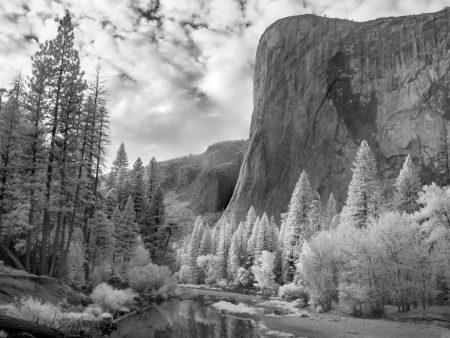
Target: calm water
[(186, 318)]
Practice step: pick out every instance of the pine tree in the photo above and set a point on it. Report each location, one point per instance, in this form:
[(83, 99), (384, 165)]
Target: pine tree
[(130, 229), (251, 243), (222, 253), (11, 121), (443, 157), (138, 190), (120, 246), (65, 83), (206, 245), (152, 178), (102, 240), (194, 247), (261, 236), (121, 160), (407, 187), (33, 135), (296, 225), (123, 187), (362, 198), (314, 224), (249, 222), (329, 213), (236, 255), (111, 202)]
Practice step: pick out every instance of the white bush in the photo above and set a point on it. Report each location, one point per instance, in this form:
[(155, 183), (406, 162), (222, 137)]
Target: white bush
[(208, 266), (152, 278), (113, 299), (34, 310), (185, 273), (292, 291)]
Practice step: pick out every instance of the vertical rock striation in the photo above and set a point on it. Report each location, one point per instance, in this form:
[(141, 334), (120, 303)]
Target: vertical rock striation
[(322, 85)]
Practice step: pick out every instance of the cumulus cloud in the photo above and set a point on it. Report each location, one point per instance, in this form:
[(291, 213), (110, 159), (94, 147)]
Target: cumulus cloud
[(179, 72)]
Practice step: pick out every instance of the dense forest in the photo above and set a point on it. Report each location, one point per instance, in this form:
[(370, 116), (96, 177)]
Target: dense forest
[(60, 215), (377, 251)]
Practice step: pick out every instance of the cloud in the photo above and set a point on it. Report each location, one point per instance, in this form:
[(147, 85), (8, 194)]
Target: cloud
[(179, 73)]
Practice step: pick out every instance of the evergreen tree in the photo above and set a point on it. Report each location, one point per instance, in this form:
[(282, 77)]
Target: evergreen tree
[(443, 157), (123, 187), (138, 190), (194, 247), (11, 121), (296, 225), (65, 86), (111, 202), (222, 253), (130, 230), (33, 136), (362, 198), (262, 236), (314, 217), (251, 243), (249, 222), (102, 240), (407, 187), (236, 253), (120, 246), (206, 245), (121, 160), (330, 212), (152, 178)]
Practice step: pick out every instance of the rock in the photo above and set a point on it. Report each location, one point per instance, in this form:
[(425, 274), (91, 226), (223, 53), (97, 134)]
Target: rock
[(206, 181), (323, 85)]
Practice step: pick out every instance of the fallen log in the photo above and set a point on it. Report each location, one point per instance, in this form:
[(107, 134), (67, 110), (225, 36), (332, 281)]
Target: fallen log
[(15, 326)]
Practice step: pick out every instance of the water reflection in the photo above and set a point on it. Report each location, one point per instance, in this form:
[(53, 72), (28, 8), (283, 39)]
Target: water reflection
[(186, 318)]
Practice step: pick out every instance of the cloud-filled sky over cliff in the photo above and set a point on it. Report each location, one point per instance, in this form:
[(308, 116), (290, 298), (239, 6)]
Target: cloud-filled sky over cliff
[(179, 72)]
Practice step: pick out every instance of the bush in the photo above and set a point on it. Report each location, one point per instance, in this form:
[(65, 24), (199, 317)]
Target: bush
[(292, 291), (34, 310), (152, 278), (113, 299), (244, 277), (208, 267), (185, 273)]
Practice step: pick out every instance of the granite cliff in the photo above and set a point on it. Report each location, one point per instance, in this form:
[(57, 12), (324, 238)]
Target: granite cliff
[(207, 180), (322, 85)]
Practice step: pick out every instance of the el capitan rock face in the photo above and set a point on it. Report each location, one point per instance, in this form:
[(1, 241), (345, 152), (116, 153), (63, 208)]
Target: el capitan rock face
[(322, 85)]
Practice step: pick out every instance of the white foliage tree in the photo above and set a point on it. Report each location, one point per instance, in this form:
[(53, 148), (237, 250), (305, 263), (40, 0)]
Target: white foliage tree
[(407, 187), (363, 195)]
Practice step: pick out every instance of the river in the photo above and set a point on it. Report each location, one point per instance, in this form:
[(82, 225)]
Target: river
[(186, 318)]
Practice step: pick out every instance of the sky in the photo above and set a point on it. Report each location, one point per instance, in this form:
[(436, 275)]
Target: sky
[(179, 72)]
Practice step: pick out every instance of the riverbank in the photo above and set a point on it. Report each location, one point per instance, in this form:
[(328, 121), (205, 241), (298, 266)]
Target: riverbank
[(332, 324)]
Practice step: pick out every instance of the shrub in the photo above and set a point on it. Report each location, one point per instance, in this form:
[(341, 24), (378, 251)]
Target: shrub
[(292, 291), (152, 278), (34, 310), (184, 275), (208, 267), (113, 299), (244, 277)]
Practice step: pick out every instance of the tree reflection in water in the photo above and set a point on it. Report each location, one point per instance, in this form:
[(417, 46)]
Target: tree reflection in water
[(186, 318)]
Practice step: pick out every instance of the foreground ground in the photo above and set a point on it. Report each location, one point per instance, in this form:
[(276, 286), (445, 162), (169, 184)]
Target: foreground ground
[(330, 324)]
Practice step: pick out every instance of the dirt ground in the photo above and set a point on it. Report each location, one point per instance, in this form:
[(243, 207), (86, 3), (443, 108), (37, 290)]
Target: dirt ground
[(338, 325)]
